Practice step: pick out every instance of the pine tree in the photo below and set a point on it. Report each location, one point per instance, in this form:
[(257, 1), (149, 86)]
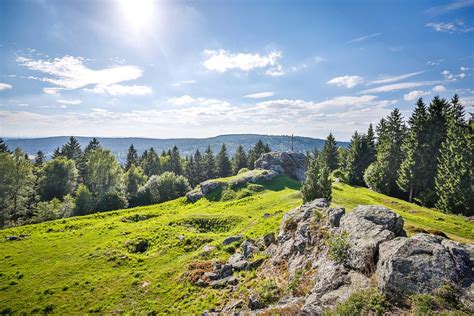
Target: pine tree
[(370, 138), (93, 144), (224, 168), (190, 171), (57, 153), (454, 181), (329, 153), (132, 157), (358, 159), (209, 164), (411, 177), (4, 147), (72, 149), (381, 175), (240, 159), (40, 159), (317, 183), (437, 125), (175, 161), (199, 167), (255, 153), (150, 162)]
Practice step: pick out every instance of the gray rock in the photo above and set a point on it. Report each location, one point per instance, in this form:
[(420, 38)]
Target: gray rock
[(248, 249), (368, 226), (335, 215), (200, 282), (208, 249), (420, 264), (211, 275), (255, 302), (269, 239), (12, 238), (253, 176), (232, 239), (232, 306), (255, 264), (223, 271), (240, 265), (221, 283), (236, 257), (292, 164)]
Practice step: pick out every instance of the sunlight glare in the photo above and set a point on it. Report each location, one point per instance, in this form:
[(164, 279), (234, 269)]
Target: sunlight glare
[(137, 13)]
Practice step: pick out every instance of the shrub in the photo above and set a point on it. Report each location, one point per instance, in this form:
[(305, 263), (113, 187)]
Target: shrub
[(269, 292), (139, 245), (228, 195), (255, 187), (54, 209), (111, 201), (339, 247), (365, 302), (294, 283), (422, 304), (165, 187), (338, 173), (84, 201)]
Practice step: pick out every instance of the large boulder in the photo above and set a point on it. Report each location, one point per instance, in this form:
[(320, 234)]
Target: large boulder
[(420, 264), (292, 164), (368, 226)]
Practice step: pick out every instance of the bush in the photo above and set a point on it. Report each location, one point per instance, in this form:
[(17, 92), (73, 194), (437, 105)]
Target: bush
[(339, 248), (338, 173), (84, 201), (365, 302), (255, 187), (228, 195), (165, 187), (111, 201), (422, 304), (54, 209), (269, 292)]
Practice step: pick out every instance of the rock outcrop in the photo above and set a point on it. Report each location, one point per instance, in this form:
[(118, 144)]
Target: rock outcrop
[(292, 164), (376, 254)]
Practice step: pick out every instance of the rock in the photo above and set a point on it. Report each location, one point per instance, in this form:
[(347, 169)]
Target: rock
[(232, 239), (252, 176), (194, 195), (223, 271), (240, 265), (255, 264), (335, 215), (236, 257), (202, 189), (24, 235), (211, 275), (255, 302), (221, 283), (292, 164), (200, 282), (208, 249), (420, 264), (368, 226), (248, 249), (12, 238), (269, 239), (232, 306)]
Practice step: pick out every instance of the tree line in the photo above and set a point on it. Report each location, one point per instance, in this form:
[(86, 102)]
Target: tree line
[(429, 161), (80, 182)]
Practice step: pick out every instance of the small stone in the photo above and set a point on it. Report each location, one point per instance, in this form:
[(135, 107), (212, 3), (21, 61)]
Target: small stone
[(240, 265), (269, 239), (232, 239), (255, 302), (248, 249), (11, 238)]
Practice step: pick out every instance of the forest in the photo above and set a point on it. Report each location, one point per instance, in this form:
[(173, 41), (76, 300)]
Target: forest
[(427, 160)]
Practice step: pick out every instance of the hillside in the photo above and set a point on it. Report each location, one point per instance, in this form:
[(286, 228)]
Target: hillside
[(119, 146), (139, 260)]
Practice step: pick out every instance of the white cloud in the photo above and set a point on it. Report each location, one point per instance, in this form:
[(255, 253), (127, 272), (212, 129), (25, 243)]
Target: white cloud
[(5, 86), (275, 71), (461, 75), (464, 68), (439, 88), (455, 5), (70, 102), (447, 74), (177, 84), (399, 86), (451, 27), (54, 91), (346, 81), (363, 38), (390, 79), (71, 73), (319, 59), (203, 102), (435, 62), (414, 95), (259, 95), (222, 60)]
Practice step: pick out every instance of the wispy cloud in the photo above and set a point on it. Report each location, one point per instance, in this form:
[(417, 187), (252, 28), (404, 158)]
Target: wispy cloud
[(346, 81), (70, 102), (259, 95), (222, 61), (71, 73), (192, 101), (390, 79), (5, 86), (451, 27), (455, 5), (400, 86), (416, 94), (184, 82), (363, 38)]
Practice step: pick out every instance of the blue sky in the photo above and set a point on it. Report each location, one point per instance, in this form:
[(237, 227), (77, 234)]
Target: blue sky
[(164, 69)]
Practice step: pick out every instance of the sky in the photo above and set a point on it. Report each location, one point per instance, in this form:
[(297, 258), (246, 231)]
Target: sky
[(167, 69)]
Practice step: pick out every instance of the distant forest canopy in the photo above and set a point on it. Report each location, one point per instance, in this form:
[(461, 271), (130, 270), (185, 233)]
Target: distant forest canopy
[(428, 160), (119, 146)]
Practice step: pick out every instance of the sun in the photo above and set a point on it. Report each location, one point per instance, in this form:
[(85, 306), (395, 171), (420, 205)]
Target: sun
[(137, 14)]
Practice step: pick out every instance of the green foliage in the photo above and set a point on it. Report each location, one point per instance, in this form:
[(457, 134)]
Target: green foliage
[(84, 201), (134, 180), (165, 187), (54, 209), (269, 292), (294, 284), (338, 247), (150, 163), (422, 304), (205, 224), (317, 183), (338, 173), (454, 181), (365, 302), (239, 160), (132, 158), (329, 154), (209, 162), (175, 162), (243, 170), (255, 153), (360, 155), (224, 168), (59, 178)]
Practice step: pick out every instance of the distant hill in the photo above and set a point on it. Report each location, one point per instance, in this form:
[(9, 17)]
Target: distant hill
[(119, 146)]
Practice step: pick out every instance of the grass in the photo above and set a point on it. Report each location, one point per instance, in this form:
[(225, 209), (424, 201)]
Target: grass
[(140, 260), (417, 218)]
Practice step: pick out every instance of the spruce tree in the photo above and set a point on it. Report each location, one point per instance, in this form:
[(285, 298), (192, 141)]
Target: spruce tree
[(317, 183), (256, 152), (40, 159), (57, 153), (454, 181), (224, 168), (381, 175), (240, 159), (358, 159), (72, 149), (199, 167), (4, 147), (190, 171), (209, 164), (150, 162), (370, 138), (132, 157), (411, 175), (329, 153), (93, 144), (175, 161)]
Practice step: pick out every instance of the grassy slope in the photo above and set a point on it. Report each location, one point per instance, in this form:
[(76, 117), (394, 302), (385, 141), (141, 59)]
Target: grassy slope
[(82, 264)]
